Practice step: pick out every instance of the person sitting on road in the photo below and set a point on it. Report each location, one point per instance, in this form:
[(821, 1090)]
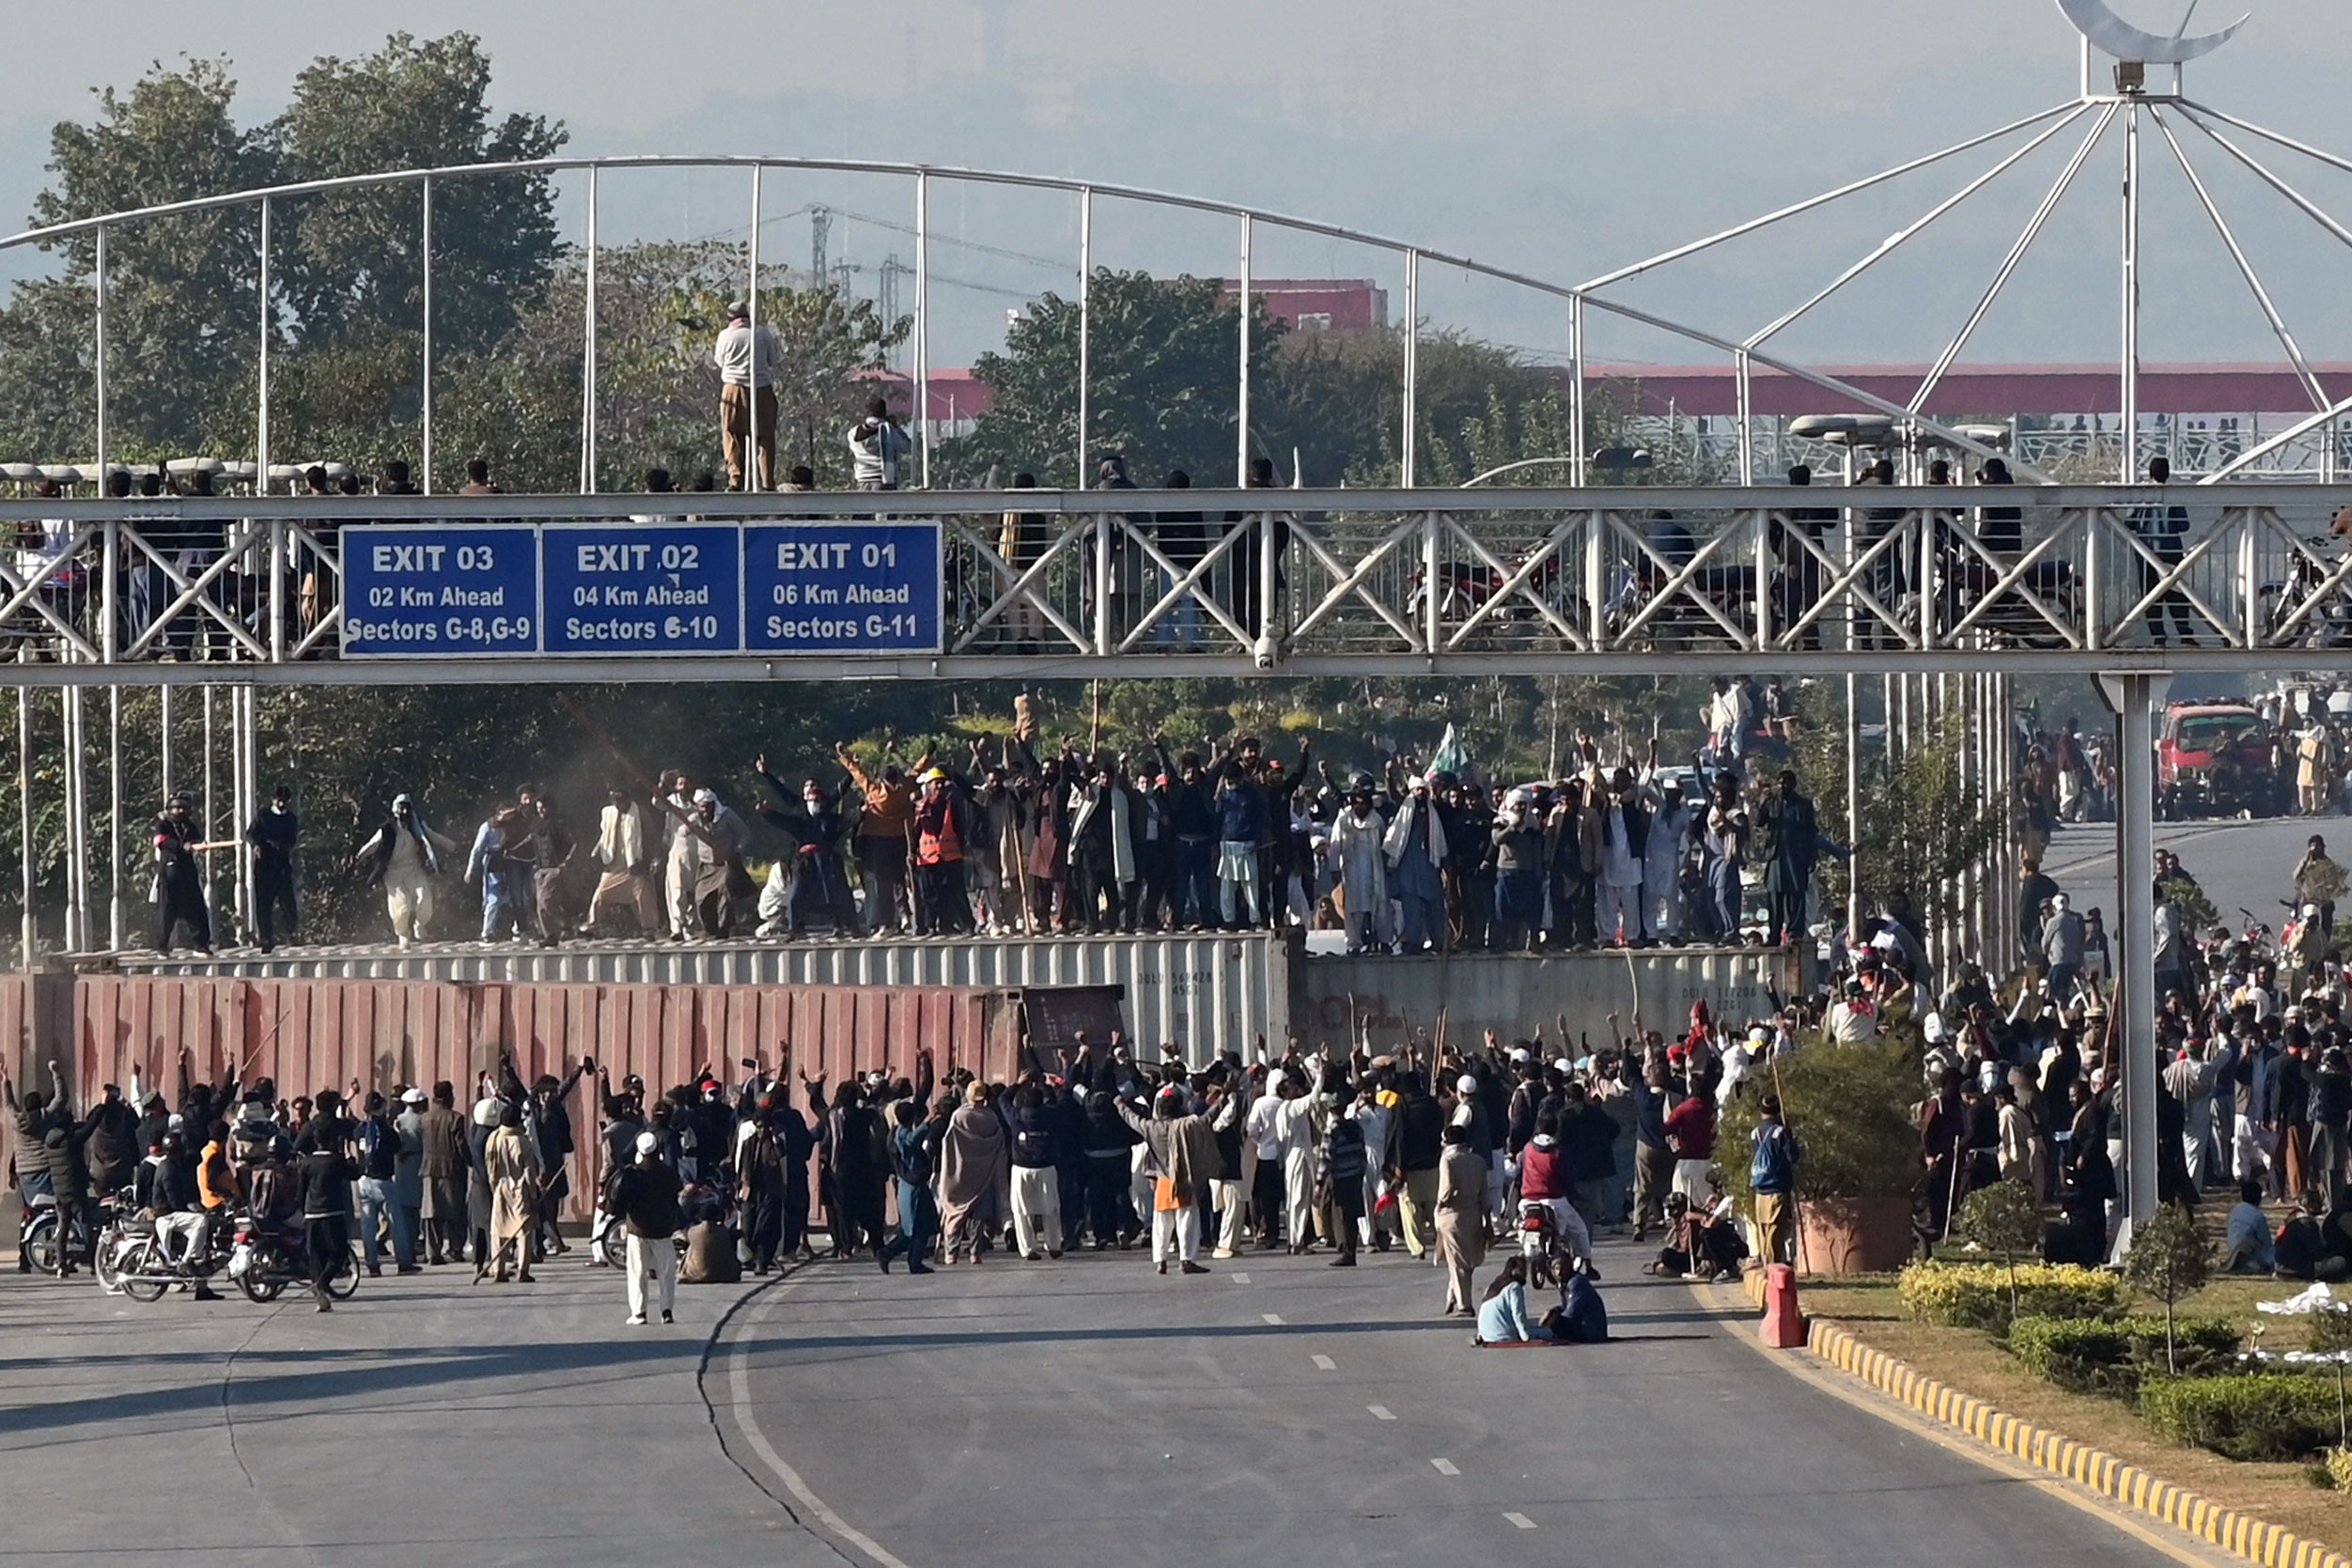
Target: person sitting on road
[(1701, 1245), (1503, 1312), (1583, 1320)]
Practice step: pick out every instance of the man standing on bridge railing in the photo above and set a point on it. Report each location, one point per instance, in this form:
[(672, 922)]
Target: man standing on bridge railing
[(747, 394)]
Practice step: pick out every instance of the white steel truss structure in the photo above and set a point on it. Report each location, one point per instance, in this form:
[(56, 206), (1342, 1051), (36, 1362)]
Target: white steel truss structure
[(1192, 583)]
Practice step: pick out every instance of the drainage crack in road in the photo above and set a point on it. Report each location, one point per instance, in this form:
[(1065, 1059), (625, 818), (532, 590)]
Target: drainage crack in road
[(718, 1430), (822, 1524), (228, 1426)]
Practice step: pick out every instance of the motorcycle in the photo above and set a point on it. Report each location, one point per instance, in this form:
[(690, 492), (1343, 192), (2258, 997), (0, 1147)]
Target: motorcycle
[(144, 1272), (1465, 588), (265, 1258), (41, 1240), (2321, 614), (1541, 1245)]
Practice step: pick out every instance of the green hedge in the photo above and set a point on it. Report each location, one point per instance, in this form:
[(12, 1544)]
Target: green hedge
[(2281, 1416), (2092, 1357), (1976, 1295)]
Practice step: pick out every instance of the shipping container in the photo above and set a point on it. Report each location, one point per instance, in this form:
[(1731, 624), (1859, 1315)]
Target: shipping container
[(331, 1033), (1214, 992), (1516, 994)]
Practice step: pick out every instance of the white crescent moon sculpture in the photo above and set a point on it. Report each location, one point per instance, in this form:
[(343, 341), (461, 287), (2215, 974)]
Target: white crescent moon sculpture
[(2096, 21)]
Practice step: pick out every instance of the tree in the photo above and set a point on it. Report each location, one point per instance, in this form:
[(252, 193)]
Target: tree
[(1163, 369), (1338, 400), (1925, 827), (2005, 1219), (183, 317), (352, 263), (2171, 1260)]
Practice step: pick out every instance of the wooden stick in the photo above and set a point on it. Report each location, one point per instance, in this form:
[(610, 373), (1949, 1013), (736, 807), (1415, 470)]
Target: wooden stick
[(1796, 1213)]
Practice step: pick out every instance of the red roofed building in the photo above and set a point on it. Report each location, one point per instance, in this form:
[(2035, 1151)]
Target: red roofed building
[(1318, 304), (1982, 392)]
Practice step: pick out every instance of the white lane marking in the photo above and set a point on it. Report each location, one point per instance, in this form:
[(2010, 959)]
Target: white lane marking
[(1382, 1412), (1445, 1467), (1241, 1279), (1522, 1520), (1324, 1363), (739, 1396), (1274, 1318)]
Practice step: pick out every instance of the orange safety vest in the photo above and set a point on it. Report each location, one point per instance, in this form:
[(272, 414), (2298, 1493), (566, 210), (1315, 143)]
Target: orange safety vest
[(936, 841)]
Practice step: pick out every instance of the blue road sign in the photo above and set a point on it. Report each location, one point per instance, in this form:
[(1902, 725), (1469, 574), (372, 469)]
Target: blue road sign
[(842, 587), (643, 588), (432, 591)]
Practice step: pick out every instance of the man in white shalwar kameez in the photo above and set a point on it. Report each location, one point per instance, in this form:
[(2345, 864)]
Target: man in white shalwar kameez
[(1360, 862)]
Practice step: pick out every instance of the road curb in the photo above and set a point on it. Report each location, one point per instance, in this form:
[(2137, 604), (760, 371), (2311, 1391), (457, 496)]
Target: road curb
[(2255, 1540)]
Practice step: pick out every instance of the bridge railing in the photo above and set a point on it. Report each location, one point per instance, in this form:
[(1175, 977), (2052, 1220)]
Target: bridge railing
[(1157, 582)]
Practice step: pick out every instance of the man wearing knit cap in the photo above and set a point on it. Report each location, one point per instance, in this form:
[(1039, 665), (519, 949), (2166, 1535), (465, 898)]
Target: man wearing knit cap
[(747, 394)]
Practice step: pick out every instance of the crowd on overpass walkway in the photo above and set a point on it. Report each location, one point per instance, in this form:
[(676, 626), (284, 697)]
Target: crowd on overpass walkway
[(1020, 836)]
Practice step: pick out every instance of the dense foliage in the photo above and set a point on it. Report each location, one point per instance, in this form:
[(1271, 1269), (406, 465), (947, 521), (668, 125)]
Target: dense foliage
[(2112, 1357), (1850, 1107), (1977, 1296)]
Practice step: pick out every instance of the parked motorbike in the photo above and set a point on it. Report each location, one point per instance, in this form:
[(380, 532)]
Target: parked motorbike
[(265, 1258), (42, 1238)]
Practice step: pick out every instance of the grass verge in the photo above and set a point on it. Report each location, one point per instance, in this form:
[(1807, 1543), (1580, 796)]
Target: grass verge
[(1976, 1363)]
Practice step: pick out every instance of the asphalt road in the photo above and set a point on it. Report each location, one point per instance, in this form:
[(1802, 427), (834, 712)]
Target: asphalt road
[(1275, 1410), (2241, 865)]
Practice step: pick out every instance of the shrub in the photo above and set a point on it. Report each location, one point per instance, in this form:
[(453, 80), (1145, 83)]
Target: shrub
[(1976, 1295), (2272, 1416), (1850, 1108), (2332, 1329), (2005, 1219), (2092, 1357), (2170, 1258)]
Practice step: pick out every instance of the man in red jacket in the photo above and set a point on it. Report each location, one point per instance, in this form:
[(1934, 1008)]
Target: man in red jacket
[(1544, 1178)]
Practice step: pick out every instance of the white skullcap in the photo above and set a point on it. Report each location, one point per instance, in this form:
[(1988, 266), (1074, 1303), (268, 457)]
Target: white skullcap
[(1467, 1084), (1518, 1053), (648, 1144)]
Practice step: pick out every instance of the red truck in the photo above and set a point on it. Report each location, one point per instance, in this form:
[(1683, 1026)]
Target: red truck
[(2214, 759)]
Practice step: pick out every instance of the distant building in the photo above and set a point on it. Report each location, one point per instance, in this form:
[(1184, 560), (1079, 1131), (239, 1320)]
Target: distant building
[(1319, 304)]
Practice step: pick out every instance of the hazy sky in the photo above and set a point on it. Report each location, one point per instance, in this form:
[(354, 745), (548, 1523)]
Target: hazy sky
[(1560, 138)]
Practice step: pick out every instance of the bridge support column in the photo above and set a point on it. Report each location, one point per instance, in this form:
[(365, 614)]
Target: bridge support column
[(2131, 1029)]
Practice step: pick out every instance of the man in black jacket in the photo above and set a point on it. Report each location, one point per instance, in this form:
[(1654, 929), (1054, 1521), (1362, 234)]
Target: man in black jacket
[(1420, 1122), (113, 1145), (327, 1174), (272, 838), (1035, 1126), (643, 1197)]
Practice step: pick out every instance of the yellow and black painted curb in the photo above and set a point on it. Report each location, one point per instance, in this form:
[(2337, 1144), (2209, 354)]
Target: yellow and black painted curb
[(2248, 1537)]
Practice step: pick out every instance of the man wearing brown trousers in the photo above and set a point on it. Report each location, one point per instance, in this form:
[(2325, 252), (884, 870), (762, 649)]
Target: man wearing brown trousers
[(747, 394)]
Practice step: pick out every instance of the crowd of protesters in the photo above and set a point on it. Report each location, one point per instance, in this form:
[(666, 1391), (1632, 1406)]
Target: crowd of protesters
[(1019, 837), (1427, 1148)]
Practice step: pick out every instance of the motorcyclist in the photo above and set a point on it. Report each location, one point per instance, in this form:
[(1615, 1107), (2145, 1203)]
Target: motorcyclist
[(168, 1190)]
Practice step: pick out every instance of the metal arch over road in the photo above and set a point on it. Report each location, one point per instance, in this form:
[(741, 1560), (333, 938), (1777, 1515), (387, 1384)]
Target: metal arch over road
[(1578, 299), (1194, 582)]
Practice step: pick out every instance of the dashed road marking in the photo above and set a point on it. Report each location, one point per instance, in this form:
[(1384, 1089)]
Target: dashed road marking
[(1382, 1412), (1324, 1363), (1274, 1318), (1445, 1467), (1241, 1279), (1522, 1520)]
